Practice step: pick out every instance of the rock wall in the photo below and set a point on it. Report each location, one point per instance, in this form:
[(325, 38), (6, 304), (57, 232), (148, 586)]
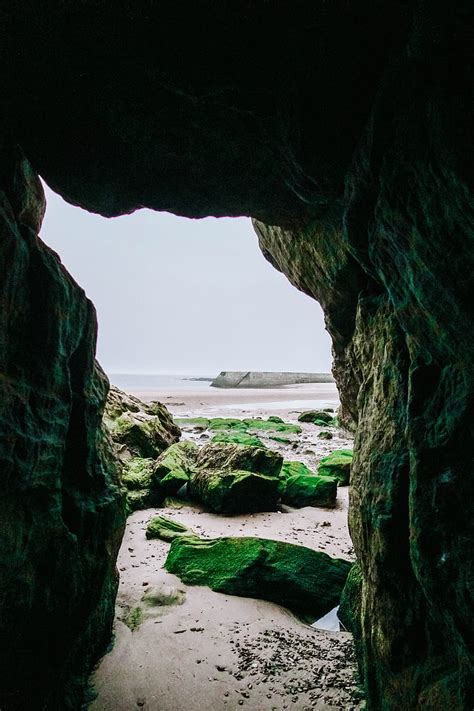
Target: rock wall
[(255, 379), (61, 513), (343, 128)]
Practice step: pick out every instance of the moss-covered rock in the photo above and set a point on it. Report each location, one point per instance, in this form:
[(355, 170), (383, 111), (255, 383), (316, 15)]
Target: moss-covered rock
[(275, 418), (137, 474), (226, 423), (316, 417), (166, 529), (173, 468), (351, 601), (325, 435), (271, 425), (235, 456), (237, 438), (299, 487), (338, 465), (234, 491), (306, 581), (138, 429)]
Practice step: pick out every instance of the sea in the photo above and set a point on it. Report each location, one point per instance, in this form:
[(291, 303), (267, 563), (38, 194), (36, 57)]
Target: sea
[(151, 382)]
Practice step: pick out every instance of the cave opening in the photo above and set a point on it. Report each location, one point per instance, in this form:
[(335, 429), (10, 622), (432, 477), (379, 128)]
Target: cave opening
[(134, 282)]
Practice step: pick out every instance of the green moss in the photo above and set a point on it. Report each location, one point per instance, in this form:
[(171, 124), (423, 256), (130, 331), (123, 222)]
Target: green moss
[(325, 435), (351, 602), (223, 423), (192, 422), (316, 417), (306, 581), (166, 529), (299, 486), (134, 618), (142, 434), (137, 473), (238, 438), (275, 418), (173, 468), (272, 426), (282, 440), (338, 465)]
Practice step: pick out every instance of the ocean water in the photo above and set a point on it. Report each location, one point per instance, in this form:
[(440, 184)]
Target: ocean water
[(147, 382)]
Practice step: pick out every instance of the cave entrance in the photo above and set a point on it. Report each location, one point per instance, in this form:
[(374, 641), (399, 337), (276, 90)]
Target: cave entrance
[(178, 301)]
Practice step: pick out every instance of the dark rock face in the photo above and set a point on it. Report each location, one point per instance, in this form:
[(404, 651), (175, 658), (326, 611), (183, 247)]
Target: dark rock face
[(344, 128), (61, 513)]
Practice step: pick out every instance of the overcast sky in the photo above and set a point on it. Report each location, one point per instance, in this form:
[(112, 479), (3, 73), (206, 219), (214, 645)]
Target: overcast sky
[(185, 296)]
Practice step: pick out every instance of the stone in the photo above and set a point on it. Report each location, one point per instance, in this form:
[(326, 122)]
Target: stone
[(299, 487), (166, 529), (62, 508), (306, 581), (338, 465), (173, 468), (234, 456), (316, 417), (138, 429), (350, 606), (233, 478), (325, 435), (137, 474), (237, 438)]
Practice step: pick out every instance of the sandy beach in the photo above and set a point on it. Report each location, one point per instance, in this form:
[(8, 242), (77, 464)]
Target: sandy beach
[(192, 648)]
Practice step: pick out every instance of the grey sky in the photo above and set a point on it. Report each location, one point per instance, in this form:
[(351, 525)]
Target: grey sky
[(185, 296)]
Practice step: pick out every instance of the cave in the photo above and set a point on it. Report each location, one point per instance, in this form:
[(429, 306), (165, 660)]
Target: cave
[(342, 129)]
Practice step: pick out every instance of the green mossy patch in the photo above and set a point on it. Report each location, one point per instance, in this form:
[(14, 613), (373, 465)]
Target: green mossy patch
[(137, 474), (325, 435), (173, 468), (305, 581), (338, 465), (351, 602), (226, 423), (237, 438), (316, 417), (299, 487), (271, 426), (166, 529), (281, 440), (134, 618), (192, 422)]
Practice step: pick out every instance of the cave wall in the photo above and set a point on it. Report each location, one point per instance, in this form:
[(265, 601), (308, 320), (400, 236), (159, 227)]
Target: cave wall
[(343, 129), (62, 512)]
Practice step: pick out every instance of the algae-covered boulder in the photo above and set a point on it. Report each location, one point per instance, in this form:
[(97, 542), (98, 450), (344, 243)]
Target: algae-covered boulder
[(235, 456), (337, 464), (272, 425), (137, 474), (166, 529), (138, 429), (306, 581), (325, 435), (299, 487), (173, 468), (275, 418), (316, 417), (351, 601), (234, 491), (237, 438), (234, 478)]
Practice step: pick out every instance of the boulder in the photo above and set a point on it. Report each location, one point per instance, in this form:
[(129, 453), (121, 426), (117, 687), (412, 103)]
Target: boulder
[(349, 611), (338, 465), (233, 478), (299, 487), (325, 435), (316, 417), (237, 438), (173, 468), (138, 429), (137, 474), (306, 581), (166, 529)]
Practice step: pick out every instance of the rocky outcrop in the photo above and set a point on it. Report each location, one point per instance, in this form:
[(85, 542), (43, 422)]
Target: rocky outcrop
[(306, 581), (343, 127), (62, 509), (252, 379)]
